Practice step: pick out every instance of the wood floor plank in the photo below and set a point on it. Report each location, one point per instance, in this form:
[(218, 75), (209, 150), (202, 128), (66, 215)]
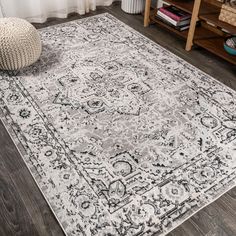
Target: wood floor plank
[(8, 151), (14, 217), (188, 229)]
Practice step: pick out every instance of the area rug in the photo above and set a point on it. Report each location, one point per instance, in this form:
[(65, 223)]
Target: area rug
[(121, 136)]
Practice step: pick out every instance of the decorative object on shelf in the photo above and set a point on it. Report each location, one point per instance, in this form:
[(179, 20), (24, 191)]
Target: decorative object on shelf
[(230, 45), (20, 44), (228, 13), (132, 6)]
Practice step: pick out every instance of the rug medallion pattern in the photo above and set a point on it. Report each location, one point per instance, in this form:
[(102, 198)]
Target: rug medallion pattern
[(123, 137)]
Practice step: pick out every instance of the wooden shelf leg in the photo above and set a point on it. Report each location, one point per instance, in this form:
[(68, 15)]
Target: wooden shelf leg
[(147, 13), (194, 19)]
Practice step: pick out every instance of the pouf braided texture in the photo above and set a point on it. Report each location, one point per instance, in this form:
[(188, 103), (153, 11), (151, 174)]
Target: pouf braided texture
[(20, 44)]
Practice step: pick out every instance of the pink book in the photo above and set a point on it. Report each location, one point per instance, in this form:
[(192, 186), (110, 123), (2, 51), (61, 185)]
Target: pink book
[(175, 13)]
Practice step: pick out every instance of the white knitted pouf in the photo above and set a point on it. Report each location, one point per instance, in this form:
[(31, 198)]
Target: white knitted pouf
[(20, 44)]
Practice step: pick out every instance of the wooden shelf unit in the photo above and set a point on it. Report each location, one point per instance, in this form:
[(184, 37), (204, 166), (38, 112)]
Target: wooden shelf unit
[(209, 35)]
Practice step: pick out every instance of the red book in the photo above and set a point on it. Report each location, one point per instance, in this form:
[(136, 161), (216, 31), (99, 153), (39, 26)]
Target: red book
[(175, 13)]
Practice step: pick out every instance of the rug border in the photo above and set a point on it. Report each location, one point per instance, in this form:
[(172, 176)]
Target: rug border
[(8, 128)]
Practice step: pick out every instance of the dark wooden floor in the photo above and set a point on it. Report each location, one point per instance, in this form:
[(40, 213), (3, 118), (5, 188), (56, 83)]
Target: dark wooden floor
[(23, 210)]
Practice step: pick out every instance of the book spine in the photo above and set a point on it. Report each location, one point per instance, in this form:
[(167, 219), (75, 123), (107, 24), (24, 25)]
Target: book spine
[(184, 28), (170, 14), (169, 19)]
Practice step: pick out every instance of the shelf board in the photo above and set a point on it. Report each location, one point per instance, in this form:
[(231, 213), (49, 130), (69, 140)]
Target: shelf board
[(212, 42)]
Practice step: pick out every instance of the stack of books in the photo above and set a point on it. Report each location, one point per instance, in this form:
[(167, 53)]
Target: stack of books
[(174, 17)]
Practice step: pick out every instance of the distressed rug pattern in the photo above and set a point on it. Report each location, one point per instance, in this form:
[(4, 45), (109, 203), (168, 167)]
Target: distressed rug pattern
[(121, 136)]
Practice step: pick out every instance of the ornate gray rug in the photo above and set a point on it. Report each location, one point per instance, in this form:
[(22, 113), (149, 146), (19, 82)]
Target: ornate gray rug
[(122, 137)]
